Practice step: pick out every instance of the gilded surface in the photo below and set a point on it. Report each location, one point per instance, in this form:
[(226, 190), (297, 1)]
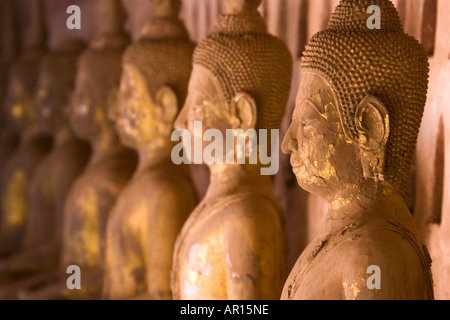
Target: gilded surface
[(14, 201), (47, 189), (233, 245), (152, 209), (33, 144), (344, 141), (110, 166)]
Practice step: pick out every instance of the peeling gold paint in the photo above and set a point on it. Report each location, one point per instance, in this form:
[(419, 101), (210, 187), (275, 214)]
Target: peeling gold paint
[(89, 245), (17, 111), (14, 202)]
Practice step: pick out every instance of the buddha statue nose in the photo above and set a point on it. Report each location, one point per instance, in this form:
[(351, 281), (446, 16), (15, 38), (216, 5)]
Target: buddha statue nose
[(290, 142), (181, 121)]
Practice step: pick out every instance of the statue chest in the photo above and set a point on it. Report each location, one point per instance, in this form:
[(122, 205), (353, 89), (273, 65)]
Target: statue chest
[(200, 262), (86, 213), (345, 261)]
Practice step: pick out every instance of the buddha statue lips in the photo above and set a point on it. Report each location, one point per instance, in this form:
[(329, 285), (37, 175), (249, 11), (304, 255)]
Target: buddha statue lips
[(234, 246), (152, 209), (352, 138)]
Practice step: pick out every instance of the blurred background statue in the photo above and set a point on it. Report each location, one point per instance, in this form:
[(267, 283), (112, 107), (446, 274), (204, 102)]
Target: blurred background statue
[(54, 175), (110, 166), (152, 209), (34, 143)]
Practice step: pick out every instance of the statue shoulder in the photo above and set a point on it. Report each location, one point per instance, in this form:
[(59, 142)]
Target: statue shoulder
[(168, 185), (252, 206), (396, 255)]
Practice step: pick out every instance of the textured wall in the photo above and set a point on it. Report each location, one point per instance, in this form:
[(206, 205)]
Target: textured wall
[(295, 21), (432, 205)]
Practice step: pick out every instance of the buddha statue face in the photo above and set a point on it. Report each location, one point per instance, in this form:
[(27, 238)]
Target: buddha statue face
[(206, 102), (378, 93), (142, 120), (19, 104), (88, 118), (45, 106), (50, 104), (98, 76), (324, 160)]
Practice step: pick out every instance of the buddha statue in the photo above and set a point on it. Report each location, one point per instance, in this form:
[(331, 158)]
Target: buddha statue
[(352, 139), (234, 244), (34, 144), (55, 173), (8, 136), (151, 211), (110, 166)]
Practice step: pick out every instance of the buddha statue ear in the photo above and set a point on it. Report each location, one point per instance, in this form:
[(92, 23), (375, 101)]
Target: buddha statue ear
[(243, 109), (372, 125), (168, 101)]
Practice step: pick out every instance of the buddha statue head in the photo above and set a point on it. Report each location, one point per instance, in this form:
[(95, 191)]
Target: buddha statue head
[(55, 85), (24, 73), (156, 71), (98, 76), (241, 76), (359, 106)]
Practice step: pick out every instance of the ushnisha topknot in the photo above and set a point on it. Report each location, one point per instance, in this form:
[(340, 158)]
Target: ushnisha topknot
[(102, 59), (351, 15), (110, 33), (245, 58), (385, 63), (164, 52)]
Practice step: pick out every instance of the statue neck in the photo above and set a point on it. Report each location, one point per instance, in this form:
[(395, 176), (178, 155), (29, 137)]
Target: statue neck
[(151, 158), (228, 179), (353, 203), (104, 145)]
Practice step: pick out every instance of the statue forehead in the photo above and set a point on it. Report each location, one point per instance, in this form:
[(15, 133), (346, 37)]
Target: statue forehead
[(316, 87), (133, 75), (85, 86), (205, 82), (135, 80)]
